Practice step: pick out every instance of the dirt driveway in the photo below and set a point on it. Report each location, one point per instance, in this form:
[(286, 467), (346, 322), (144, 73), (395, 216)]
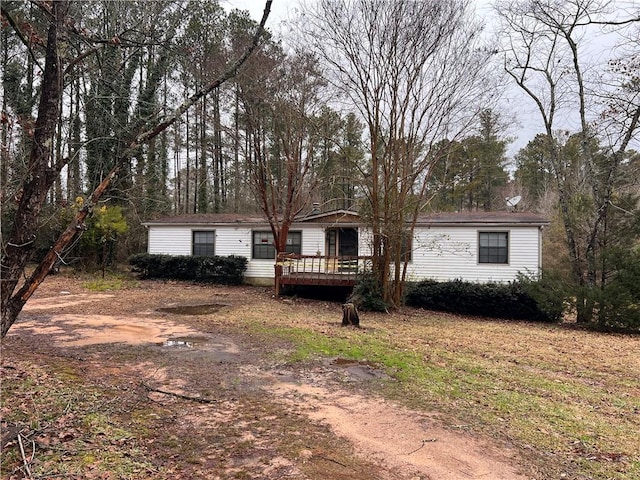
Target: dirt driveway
[(201, 398)]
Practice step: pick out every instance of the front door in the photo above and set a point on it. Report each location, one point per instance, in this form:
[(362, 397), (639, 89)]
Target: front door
[(342, 242)]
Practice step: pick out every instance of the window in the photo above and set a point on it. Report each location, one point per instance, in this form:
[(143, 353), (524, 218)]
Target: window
[(263, 244), (493, 247), (203, 243)]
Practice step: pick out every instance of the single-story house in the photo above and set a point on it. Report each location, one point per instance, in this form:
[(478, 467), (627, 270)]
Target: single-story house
[(474, 246)]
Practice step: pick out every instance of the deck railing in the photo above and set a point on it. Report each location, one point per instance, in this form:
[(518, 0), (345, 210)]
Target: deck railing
[(294, 269)]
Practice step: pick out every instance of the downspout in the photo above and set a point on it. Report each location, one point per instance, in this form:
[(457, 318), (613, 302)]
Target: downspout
[(540, 229)]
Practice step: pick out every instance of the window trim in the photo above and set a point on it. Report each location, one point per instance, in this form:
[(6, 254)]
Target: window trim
[(507, 248), (193, 242), (291, 247)]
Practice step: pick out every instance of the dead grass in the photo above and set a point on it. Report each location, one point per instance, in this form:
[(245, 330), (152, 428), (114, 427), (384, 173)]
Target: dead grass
[(50, 414), (569, 400)]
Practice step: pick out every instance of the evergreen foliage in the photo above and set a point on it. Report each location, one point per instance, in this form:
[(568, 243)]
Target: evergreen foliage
[(221, 270), (367, 295), (619, 300), (513, 301)]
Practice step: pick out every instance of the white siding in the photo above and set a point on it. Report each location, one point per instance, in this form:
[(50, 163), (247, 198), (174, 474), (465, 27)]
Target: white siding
[(365, 242), (170, 240), (442, 253), (230, 240), (313, 239), (439, 253)]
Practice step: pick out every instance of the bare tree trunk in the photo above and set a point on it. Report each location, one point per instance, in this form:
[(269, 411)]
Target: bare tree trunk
[(203, 186), (4, 123), (73, 167), (20, 242), (187, 179), (218, 167), (196, 170), (21, 239), (237, 184)]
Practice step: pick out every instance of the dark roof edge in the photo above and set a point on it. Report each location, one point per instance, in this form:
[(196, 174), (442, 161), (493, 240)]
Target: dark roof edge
[(484, 219)]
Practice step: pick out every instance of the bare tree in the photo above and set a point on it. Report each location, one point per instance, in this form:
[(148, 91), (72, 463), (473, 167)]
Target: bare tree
[(545, 55), (282, 132), (411, 70), (42, 172)]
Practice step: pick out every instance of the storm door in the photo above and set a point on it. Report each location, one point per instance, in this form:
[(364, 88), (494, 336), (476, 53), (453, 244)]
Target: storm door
[(342, 242)]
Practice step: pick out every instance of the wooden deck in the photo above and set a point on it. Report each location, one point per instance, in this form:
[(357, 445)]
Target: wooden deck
[(292, 269)]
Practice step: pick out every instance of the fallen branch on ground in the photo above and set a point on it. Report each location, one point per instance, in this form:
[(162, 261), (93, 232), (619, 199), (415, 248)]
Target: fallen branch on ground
[(178, 395), (24, 457)]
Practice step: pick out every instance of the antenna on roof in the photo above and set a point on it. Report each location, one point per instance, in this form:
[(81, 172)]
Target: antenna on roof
[(513, 201)]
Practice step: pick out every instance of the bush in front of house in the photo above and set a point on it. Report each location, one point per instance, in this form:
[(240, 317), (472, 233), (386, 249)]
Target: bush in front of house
[(619, 300), (515, 300), (367, 294), (222, 270)]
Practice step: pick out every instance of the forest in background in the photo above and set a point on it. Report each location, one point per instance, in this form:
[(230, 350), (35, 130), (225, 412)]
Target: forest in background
[(390, 108)]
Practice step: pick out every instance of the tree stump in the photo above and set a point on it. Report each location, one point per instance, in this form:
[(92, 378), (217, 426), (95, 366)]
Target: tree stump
[(350, 315)]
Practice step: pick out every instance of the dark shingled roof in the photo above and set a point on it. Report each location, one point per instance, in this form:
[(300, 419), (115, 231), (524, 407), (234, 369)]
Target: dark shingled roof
[(484, 218), (207, 219), (448, 218), (237, 218)]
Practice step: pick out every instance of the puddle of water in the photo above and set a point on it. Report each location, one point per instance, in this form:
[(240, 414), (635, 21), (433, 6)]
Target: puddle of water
[(193, 309), (363, 370), (346, 362), (217, 349), (188, 342)]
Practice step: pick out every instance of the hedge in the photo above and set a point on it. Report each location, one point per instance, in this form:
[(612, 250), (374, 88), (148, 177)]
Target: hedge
[(498, 300), (222, 270)]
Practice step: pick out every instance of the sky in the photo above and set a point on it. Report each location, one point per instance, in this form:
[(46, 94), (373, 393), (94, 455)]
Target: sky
[(526, 120)]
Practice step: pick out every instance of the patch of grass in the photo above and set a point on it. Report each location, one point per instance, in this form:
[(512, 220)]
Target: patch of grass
[(565, 395), (111, 282), (67, 422), (104, 285)]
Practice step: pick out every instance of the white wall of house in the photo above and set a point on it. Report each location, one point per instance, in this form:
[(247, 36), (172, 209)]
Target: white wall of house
[(446, 253), (365, 242), (170, 240), (313, 239), (439, 252), (230, 240)]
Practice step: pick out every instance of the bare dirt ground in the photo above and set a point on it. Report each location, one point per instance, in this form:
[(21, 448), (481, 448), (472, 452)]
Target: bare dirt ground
[(200, 398)]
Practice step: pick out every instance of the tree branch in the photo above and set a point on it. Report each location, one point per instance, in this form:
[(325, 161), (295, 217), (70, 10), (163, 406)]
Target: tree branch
[(231, 72), (16, 28), (15, 303)]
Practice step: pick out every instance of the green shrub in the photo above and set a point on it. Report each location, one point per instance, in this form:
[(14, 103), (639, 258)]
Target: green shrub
[(549, 291), (222, 270), (497, 300), (367, 295), (618, 302)]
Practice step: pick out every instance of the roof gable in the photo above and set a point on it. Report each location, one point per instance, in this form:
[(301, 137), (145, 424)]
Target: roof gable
[(334, 216)]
